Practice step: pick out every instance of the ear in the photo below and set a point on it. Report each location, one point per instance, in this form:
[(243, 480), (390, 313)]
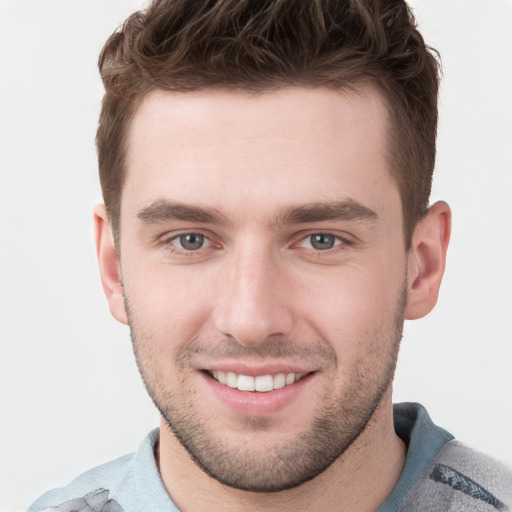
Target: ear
[(426, 261), (109, 263)]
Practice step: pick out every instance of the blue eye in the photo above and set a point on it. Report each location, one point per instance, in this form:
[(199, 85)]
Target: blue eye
[(322, 241), (190, 241)]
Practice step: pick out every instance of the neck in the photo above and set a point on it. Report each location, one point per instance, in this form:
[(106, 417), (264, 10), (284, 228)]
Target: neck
[(359, 481)]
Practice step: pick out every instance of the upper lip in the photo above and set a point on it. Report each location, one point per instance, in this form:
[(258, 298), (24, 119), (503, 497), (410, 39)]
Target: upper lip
[(253, 370)]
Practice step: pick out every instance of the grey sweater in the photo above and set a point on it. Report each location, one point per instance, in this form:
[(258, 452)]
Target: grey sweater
[(461, 479), (443, 475)]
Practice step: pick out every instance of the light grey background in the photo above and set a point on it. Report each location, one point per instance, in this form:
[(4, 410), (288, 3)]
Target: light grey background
[(70, 394)]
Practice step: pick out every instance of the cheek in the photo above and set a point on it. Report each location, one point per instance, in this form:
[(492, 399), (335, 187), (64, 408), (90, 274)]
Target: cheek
[(353, 307), (166, 304)]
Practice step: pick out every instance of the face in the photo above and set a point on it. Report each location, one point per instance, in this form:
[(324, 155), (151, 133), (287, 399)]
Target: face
[(264, 272)]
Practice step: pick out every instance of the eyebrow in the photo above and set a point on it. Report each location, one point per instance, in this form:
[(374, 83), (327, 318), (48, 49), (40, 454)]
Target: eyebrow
[(163, 211), (346, 210)]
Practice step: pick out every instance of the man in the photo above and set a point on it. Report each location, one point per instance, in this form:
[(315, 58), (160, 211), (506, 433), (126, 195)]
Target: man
[(266, 171)]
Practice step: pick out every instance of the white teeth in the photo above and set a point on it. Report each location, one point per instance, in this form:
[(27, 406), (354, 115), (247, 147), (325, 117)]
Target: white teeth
[(279, 381), (245, 383), (262, 383), (231, 379)]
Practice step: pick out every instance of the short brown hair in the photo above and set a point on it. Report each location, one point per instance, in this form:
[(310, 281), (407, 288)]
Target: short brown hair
[(260, 45)]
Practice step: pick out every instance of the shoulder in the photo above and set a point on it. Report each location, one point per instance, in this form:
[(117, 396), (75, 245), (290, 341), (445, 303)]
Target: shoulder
[(93, 490), (122, 485), (460, 478)]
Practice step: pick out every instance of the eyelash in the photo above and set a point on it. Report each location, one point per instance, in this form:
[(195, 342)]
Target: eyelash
[(341, 243), (167, 242)]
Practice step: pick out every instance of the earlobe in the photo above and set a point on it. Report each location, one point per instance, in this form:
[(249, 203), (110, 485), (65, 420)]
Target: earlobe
[(109, 264), (427, 260)]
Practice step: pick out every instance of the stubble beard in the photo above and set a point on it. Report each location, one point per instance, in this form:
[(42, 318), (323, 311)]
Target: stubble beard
[(339, 421)]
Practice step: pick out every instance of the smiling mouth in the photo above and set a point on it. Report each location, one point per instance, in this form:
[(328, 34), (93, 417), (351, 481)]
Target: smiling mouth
[(261, 383)]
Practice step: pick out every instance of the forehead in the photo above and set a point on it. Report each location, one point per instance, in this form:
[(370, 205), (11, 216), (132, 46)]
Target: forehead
[(292, 145)]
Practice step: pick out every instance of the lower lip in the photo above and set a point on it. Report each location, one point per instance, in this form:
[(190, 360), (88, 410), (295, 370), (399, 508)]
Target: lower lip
[(254, 403)]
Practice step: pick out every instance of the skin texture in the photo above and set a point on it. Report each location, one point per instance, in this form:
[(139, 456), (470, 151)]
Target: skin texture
[(252, 179)]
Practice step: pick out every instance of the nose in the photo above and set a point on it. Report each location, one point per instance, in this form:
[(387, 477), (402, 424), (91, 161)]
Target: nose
[(253, 305)]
